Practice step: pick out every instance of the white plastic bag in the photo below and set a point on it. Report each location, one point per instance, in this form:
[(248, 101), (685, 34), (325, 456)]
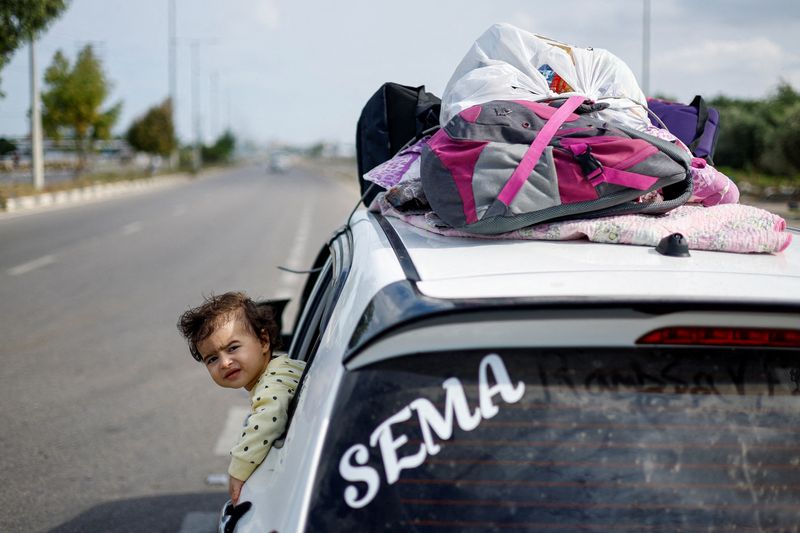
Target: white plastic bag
[(507, 63)]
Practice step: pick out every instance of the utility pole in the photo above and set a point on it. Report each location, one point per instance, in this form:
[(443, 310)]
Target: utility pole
[(196, 154), (173, 97), (172, 62), (195, 110), (228, 109), (213, 108), (37, 152), (646, 48)]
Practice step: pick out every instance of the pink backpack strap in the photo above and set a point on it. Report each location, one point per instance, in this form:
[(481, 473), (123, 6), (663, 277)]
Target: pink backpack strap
[(535, 150), (600, 173), (632, 180)]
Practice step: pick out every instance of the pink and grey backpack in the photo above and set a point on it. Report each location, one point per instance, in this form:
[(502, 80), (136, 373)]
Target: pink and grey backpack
[(505, 165)]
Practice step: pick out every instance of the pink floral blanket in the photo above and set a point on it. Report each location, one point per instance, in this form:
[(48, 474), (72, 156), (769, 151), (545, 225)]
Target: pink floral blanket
[(724, 227)]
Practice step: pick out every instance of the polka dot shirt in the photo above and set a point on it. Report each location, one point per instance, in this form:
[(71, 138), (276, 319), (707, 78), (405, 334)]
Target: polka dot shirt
[(269, 401)]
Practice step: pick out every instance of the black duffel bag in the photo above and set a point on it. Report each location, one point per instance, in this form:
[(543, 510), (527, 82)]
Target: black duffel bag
[(393, 116)]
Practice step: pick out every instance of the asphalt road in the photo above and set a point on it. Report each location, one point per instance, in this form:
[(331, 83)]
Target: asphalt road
[(106, 423)]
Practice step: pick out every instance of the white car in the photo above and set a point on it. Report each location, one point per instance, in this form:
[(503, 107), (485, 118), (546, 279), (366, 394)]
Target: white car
[(474, 385)]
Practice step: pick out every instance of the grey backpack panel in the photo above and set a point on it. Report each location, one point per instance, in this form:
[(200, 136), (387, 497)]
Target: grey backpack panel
[(468, 168)]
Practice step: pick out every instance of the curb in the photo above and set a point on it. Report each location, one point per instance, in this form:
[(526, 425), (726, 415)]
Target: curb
[(89, 193)]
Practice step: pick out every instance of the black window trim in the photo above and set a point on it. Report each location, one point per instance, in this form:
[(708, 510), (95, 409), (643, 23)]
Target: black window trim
[(400, 306), (400, 250)]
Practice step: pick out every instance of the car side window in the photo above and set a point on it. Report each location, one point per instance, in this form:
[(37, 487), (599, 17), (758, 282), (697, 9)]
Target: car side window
[(308, 328), (319, 298)]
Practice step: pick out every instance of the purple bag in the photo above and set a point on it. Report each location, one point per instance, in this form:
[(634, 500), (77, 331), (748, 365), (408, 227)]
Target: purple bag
[(696, 124), (505, 165)]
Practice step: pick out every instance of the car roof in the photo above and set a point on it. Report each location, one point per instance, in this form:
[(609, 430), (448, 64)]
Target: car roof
[(473, 268)]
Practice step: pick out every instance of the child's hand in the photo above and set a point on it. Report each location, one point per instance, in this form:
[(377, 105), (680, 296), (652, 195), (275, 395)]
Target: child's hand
[(234, 488)]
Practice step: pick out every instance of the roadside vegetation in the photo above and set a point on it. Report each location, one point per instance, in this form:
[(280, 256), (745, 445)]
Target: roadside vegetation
[(759, 143), (72, 103), (78, 120), (154, 133), (21, 20)]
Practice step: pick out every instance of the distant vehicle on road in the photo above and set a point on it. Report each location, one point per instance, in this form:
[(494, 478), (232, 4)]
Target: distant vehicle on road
[(279, 162), (471, 385)]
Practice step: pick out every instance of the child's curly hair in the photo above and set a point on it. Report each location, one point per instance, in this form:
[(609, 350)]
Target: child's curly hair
[(198, 323)]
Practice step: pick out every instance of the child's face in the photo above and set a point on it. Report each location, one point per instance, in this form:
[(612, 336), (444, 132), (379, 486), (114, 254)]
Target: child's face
[(234, 356)]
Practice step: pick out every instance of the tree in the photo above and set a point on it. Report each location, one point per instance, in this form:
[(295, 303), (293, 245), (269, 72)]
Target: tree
[(7, 147), (783, 112), (222, 150), (154, 132), (72, 100), (21, 20), (789, 140), (742, 136), (316, 150), (761, 135)]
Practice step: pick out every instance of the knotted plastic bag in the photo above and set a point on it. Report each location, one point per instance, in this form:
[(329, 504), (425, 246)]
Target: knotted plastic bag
[(507, 63)]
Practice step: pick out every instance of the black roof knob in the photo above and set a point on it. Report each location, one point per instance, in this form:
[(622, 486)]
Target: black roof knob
[(674, 245)]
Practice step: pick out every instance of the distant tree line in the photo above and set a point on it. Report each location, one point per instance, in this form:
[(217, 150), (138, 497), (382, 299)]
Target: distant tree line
[(760, 135), (74, 106), (72, 102), (222, 149), (74, 95)]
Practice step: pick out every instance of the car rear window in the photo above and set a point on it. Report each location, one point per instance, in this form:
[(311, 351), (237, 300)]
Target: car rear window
[(563, 440)]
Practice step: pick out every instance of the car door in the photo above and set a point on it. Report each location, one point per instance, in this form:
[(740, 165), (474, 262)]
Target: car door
[(278, 489)]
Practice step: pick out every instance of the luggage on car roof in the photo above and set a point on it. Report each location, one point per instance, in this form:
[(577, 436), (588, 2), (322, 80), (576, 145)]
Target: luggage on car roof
[(506, 158), (393, 116), (505, 165), (696, 124)]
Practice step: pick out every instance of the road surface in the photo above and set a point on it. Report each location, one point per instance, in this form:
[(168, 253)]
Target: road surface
[(107, 423)]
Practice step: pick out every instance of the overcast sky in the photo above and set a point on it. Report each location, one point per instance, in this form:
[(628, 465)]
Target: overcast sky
[(300, 71)]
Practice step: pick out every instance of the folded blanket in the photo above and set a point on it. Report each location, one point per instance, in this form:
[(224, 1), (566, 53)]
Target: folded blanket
[(724, 227)]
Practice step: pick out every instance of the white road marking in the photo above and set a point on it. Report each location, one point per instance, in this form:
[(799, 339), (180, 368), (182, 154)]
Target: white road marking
[(133, 227), (24, 268), (232, 430), (199, 522), (288, 280), (217, 479)]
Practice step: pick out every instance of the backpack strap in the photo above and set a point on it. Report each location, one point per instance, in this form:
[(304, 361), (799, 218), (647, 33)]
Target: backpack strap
[(535, 150), (596, 173), (702, 117)]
